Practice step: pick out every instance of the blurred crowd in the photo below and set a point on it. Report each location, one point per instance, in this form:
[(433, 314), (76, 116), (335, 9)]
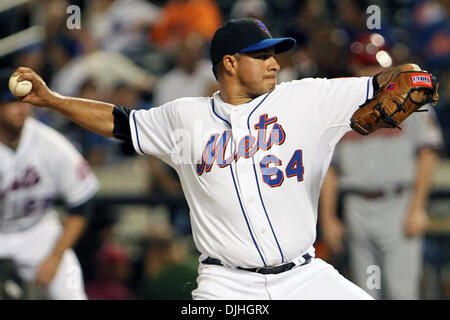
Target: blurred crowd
[(143, 53)]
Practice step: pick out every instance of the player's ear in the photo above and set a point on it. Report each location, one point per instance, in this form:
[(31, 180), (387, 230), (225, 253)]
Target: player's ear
[(229, 63)]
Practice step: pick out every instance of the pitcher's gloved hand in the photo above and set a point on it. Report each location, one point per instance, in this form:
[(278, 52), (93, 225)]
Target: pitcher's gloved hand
[(402, 91)]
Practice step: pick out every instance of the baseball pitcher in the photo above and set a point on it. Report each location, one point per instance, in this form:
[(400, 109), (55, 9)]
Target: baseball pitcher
[(251, 158)]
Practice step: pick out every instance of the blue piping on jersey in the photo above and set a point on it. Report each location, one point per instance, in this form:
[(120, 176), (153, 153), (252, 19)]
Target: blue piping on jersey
[(245, 216), (257, 183), (214, 111), (137, 135), (367, 90), (237, 191)]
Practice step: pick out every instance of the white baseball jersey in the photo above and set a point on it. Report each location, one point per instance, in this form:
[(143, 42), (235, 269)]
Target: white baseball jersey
[(252, 173), (43, 168)]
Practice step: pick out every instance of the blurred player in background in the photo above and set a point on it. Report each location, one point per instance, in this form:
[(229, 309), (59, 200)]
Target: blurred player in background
[(388, 177), (38, 166)]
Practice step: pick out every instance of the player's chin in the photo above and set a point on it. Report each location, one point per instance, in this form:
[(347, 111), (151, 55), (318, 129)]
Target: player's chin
[(264, 87), (270, 87), (267, 84), (271, 82)]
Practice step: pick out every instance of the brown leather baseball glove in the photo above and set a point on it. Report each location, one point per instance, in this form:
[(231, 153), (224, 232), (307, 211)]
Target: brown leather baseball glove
[(402, 91)]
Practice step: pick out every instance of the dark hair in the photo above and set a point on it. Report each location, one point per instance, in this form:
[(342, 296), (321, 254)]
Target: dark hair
[(214, 70)]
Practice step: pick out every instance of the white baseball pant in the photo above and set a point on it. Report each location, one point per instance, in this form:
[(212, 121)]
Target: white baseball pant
[(317, 280)]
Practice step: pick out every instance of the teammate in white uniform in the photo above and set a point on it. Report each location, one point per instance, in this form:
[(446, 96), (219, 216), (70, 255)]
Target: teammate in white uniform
[(38, 165), (251, 160)]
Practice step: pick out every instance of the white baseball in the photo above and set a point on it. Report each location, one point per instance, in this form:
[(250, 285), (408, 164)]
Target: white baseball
[(19, 88)]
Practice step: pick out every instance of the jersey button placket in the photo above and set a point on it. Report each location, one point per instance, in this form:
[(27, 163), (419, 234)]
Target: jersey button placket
[(246, 182)]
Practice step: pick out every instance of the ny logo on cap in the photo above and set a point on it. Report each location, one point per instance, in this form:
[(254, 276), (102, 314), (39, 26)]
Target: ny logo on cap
[(262, 26)]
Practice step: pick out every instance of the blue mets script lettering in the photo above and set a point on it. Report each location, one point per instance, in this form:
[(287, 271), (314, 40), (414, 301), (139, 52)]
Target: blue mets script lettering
[(216, 146)]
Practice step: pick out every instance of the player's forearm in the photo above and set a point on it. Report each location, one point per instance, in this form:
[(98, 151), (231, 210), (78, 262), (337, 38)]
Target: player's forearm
[(93, 115), (73, 228), (426, 163)]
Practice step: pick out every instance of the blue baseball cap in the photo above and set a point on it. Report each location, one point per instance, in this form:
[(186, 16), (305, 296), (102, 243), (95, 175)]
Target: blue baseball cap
[(245, 35)]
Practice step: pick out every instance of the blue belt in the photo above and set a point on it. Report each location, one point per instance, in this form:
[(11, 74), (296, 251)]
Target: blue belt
[(264, 270)]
